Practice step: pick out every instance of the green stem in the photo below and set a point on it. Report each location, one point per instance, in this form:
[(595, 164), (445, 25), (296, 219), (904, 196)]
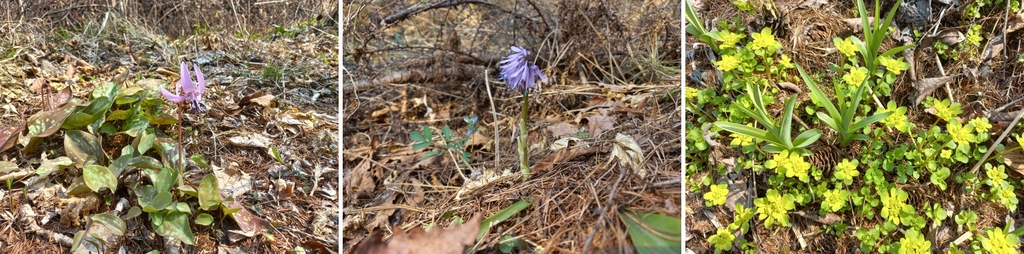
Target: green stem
[(524, 157)]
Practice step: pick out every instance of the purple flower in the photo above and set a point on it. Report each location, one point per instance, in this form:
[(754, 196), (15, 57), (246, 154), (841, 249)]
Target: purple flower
[(519, 73), (192, 93)]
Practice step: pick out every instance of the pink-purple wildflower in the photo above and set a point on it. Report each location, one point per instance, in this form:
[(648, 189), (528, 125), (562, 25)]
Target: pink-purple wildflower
[(519, 73), (192, 92)]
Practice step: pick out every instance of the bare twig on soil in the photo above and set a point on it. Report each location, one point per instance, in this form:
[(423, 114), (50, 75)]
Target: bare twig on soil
[(402, 15), (999, 140), (607, 205)]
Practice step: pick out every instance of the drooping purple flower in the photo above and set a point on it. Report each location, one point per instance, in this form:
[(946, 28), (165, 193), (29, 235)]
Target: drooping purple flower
[(192, 92), (519, 73)]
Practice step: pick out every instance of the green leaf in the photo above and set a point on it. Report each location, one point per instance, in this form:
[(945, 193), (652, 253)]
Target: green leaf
[(77, 241), (161, 200), (135, 125), (91, 113), (417, 136), (83, 148), (165, 180), (201, 161), (118, 165), (807, 138), (653, 233), (787, 123), (204, 219), (743, 130), (419, 146), (115, 224), (145, 142), (55, 165), (175, 225), (209, 193), (133, 212), (97, 177), (503, 215), (817, 95), (869, 120)]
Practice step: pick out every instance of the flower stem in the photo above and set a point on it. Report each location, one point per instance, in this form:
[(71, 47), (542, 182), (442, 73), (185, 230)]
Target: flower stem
[(524, 157), (181, 148)]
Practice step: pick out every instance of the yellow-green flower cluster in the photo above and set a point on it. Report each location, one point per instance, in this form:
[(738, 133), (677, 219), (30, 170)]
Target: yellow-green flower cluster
[(946, 110), (898, 118), (785, 61), (728, 63), (723, 239), (981, 124), (997, 241), (790, 164), (896, 66), (996, 174), (846, 170), (764, 40), (845, 46), (691, 92), (893, 201), (961, 134), (834, 200), (913, 242), (717, 194), (774, 208), (729, 39), (856, 76), (741, 140), (946, 153)]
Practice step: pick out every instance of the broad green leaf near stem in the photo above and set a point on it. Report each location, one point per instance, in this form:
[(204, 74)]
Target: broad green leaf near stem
[(209, 193), (112, 222), (779, 137), (97, 177), (653, 233)]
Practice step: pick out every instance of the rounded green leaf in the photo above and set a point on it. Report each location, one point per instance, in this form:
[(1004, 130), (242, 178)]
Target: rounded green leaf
[(204, 219), (132, 213), (161, 200)]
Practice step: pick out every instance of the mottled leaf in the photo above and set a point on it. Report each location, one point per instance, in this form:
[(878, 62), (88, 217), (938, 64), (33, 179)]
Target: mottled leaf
[(97, 177), (209, 192), (8, 135), (175, 225), (83, 148), (113, 223), (47, 167)]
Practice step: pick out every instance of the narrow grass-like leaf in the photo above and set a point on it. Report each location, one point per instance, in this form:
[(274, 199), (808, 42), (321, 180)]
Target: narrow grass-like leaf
[(787, 123), (503, 215), (869, 120), (816, 94), (747, 130)]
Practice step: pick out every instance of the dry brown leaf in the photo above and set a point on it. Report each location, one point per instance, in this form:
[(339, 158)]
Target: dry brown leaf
[(359, 182), (563, 129), (477, 139), (927, 86), (561, 156), (415, 193), (1014, 160), (451, 240), (261, 97), (380, 219), (8, 135), (599, 124), (790, 87)]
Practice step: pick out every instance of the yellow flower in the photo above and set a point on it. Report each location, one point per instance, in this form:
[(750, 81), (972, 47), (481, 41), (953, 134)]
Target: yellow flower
[(691, 92), (893, 65), (947, 110), (996, 174), (846, 170), (961, 134), (728, 63), (764, 40), (791, 165), (981, 124), (946, 153), (898, 118), (729, 39), (856, 76), (741, 140), (717, 194), (845, 46), (785, 62)]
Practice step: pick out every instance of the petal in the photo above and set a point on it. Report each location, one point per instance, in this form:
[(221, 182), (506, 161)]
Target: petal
[(185, 81), (199, 78), (171, 96), (543, 78)]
